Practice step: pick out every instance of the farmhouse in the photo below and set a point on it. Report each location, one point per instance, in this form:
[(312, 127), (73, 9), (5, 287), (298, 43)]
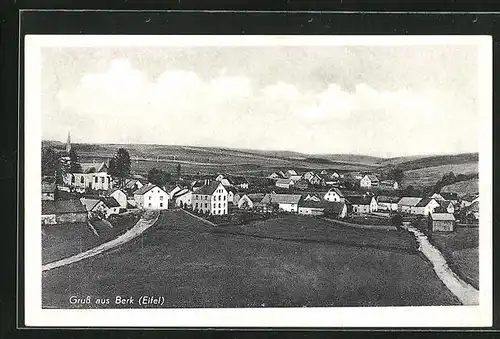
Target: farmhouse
[(446, 206), (151, 197), (334, 195), (389, 184), (104, 205), (48, 190), (182, 198), (211, 198), (248, 201), (285, 202), (312, 207), (424, 207), (173, 191), (387, 203), (119, 195), (362, 204), (289, 173), (442, 222), (405, 204), (197, 184), (232, 195), (369, 181), (453, 197), (284, 183), (63, 211)]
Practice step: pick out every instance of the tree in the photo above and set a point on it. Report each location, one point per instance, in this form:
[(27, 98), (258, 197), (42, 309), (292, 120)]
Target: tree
[(50, 162), (158, 177), (121, 164), (178, 170), (74, 164), (397, 220)]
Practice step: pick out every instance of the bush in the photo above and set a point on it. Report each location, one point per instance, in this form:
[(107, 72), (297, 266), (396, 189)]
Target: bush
[(397, 220)]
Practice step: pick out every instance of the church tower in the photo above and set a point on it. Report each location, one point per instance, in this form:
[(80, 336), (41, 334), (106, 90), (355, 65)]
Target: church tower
[(68, 144)]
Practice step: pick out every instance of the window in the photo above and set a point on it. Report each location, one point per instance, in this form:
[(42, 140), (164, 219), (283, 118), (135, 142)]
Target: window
[(224, 198), (196, 205), (206, 197), (149, 197), (149, 204), (206, 205), (161, 198), (161, 204), (219, 205), (82, 180), (215, 205), (95, 179), (102, 180)]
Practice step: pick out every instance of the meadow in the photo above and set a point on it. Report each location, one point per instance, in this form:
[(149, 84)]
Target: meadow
[(428, 176), (463, 187), (284, 262)]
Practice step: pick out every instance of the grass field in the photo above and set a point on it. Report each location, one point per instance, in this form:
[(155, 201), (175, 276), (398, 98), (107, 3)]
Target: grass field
[(287, 262), (460, 249), (64, 240), (430, 175), (463, 187)]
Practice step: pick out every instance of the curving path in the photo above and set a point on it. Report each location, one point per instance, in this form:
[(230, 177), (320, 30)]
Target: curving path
[(148, 220), (467, 294)]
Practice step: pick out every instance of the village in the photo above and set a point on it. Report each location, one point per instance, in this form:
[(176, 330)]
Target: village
[(354, 197)]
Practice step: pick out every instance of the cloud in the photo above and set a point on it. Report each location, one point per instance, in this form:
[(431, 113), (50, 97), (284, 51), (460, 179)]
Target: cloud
[(122, 105)]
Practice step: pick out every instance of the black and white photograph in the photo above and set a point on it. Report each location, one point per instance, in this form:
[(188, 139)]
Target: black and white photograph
[(234, 180)]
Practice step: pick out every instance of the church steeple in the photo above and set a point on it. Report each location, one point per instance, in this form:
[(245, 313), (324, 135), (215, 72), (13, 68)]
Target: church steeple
[(68, 144)]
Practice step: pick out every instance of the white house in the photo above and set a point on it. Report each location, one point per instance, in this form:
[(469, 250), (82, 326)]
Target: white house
[(285, 202), (211, 198), (105, 205), (405, 204), (334, 195), (295, 178), (389, 184), (290, 172), (248, 201), (385, 203), (151, 197), (369, 181), (284, 183), (363, 204), (425, 206), (182, 198), (119, 195)]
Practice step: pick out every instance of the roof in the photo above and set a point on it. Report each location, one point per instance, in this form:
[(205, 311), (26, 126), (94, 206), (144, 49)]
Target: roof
[(385, 198), (62, 206), (388, 182), (255, 197), (335, 206), (238, 180), (180, 193), (409, 201), (209, 189), (443, 216), (110, 202), (281, 198), (474, 207), (444, 203), (99, 167), (372, 177), (424, 202), (90, 203), (112, 190), (360, 200), (129, 183), (313, 204), (48, 187), (144, 189), (291, 171), (336, 190), (295, 177)]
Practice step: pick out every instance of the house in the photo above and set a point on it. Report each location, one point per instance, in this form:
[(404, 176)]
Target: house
[(445, 206), (437, 196), (425, 206), (275, 175), (94, 181), (387, 203), (327, 180), (231, 193), (284, 202), (295, 178), (389, 184), (132, 185), (182, 198), (356, 175), (173, 191), (197, 184), (289, 173), (248, 201), (369, 181), (224, 180), (284, 183), (311, 207), (302, 184), (405, 204), (48, 190), (104, 205), (211, 198), (151, 197), (119, 195), (467, 200), (334, 195), (308, 175), (451, 196), (317, 180), (63, 211), (240, 182), (441, 222), (363, 204), (312, 197)]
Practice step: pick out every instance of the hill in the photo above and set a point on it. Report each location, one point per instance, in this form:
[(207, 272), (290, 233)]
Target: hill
[(463, 188), (430, 175), (417, 162)]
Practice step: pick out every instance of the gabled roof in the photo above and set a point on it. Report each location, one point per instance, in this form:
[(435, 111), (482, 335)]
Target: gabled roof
[(180, 193), (99, 167), (284, 181), (112, 190), (281, 198), (62, 206), (409, 201), (313, 204), (424, 202), (371, 177), (444, 203), (110, 202), (442, 216), (145, 189), (209, 189), (336, 190), (255, 197), (474, 207), (291, 172)]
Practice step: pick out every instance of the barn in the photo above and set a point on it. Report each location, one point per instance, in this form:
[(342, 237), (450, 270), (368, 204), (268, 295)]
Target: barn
[(442, 222)]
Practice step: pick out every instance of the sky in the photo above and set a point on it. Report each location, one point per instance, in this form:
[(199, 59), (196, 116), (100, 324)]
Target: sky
[(374, 100)]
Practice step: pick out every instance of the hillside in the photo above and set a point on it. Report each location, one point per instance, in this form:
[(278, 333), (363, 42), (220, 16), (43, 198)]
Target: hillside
[(417, 162), (463, 188), (430, 175)]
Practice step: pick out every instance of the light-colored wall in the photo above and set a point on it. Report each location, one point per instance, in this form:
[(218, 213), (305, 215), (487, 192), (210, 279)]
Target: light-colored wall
[(289, 207), (120, 197)]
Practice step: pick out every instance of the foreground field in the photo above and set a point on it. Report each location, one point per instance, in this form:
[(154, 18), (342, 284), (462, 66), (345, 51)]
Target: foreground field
[(430, 175), (460, 249), (190, 265)]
